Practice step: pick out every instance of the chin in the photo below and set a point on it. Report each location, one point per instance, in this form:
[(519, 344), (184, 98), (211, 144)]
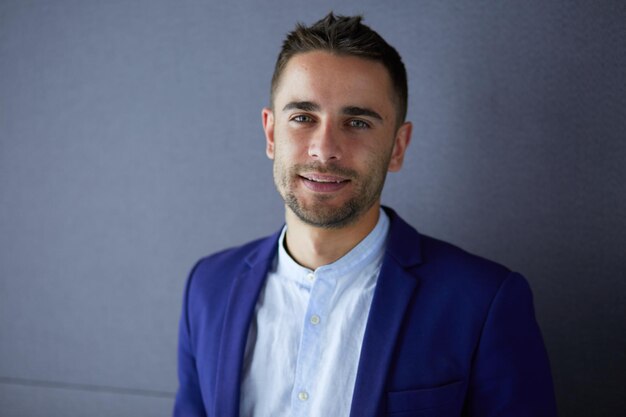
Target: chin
[(327, 216)]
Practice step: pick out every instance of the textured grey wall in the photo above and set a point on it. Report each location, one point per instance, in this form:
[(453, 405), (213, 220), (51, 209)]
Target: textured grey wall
[(131, 145)]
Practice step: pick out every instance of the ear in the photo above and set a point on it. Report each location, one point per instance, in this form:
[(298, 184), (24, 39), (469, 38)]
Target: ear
[(401, 142), (268, 128)]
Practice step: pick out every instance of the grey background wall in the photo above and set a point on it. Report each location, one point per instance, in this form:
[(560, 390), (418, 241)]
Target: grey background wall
[(131, 145)]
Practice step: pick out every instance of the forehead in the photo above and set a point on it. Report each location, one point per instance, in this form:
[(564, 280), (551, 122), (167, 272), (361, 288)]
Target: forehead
[(328, 78)]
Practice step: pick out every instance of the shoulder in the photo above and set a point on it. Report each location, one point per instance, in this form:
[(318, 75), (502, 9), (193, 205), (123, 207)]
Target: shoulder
[(230, 258), (445, 266), (465, 274), (213, 274), (438, 255), (458, 286)]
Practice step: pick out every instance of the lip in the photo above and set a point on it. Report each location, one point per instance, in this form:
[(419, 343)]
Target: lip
[(323, 183)]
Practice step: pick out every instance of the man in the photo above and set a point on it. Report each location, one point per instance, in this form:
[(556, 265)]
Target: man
[(348, 311)]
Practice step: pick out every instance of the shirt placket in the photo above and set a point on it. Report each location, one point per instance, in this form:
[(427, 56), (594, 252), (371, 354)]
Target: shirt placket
[(303, 395)]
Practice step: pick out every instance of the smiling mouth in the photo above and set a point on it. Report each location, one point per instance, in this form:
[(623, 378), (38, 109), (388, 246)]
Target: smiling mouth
[(323, 183), (324, 179)]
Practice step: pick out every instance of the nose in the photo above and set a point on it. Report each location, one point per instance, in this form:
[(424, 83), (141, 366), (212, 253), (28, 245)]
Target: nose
[(324, 145)]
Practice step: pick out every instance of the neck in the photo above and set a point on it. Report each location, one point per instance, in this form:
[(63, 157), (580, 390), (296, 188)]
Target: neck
[(312, 246)]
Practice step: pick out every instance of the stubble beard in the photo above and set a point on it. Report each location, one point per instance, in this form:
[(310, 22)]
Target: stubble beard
[(321, 212)]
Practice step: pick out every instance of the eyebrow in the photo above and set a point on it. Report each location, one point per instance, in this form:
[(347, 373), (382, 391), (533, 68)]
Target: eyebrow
[(361, 111), (301, 105), (348, 110)]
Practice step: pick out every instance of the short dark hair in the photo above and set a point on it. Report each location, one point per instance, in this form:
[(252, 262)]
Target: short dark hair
[(344, 35)]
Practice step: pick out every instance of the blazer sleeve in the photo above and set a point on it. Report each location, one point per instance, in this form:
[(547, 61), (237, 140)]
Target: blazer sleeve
[(188, 401), (510, 371)]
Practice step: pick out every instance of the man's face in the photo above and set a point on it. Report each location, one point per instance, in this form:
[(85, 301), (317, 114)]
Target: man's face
[(333, 135)]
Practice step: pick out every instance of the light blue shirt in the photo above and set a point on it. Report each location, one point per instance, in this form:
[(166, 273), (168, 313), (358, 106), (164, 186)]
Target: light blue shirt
[(305, 338)]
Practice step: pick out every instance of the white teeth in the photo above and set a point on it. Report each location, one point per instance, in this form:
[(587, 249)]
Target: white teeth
[(325, 182)]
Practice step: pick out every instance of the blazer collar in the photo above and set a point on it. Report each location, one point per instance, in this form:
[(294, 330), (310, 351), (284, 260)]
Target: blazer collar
[(403, 243)]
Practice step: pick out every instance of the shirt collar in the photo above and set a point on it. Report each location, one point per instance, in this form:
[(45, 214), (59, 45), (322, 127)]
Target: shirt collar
[(363, 254)]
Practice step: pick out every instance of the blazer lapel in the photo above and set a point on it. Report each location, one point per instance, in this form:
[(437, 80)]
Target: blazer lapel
[(394, 290), (241, 303)]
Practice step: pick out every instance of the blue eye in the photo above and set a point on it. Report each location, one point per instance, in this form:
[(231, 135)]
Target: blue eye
[(301, 118), (358, 124)]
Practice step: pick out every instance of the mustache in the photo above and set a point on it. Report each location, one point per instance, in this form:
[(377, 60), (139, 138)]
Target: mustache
[(329, 169)]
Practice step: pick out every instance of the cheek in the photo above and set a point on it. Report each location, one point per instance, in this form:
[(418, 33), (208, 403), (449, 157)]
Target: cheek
[(283, 160), (282, 152), (378, 160), (290, 148)]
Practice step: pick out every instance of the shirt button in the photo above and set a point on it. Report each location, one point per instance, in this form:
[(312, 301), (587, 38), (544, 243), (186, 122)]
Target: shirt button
[(310, 277), (303, 396), (315, 319)]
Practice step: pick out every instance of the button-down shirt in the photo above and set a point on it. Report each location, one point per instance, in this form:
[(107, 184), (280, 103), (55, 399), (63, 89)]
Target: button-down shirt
[(305, 338)]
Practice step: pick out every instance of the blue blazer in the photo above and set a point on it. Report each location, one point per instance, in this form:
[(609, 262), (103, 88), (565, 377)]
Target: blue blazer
[(448, 334)]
